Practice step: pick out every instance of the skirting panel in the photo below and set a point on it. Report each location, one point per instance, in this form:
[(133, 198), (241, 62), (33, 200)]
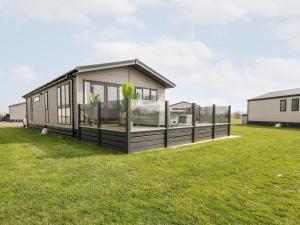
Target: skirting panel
[(140, 141), (267, 123)]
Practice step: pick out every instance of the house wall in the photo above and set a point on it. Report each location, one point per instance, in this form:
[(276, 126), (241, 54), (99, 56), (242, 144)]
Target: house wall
[(119, 76), (268, 110), (39, 108), (18, 111)]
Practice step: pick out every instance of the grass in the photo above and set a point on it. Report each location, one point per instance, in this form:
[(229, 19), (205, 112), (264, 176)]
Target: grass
[(254, 179)]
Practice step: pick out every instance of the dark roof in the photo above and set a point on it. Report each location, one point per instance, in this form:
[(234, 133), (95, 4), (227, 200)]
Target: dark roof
[(136, 63), (17, 104), (278, 94)]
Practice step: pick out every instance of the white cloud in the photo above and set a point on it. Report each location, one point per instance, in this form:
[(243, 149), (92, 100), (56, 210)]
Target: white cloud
[(71, 11), (23, 73), (289, 31), (201, 74), (226, 11)]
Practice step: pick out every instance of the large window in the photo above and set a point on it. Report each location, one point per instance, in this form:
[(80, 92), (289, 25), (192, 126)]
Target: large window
[(295, 104), (95, 89), (36, 99), (282, 105), (63, 104), (147, 94), (46, 107)]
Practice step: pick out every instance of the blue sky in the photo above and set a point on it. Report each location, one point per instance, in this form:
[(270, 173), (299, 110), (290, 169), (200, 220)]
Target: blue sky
[(219, 52)]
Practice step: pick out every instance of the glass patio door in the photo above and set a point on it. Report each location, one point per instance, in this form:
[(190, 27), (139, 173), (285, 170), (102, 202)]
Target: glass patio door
[(112, 98)]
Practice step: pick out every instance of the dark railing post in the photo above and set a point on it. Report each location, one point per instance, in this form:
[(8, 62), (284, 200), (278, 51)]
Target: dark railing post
[(214, 121), (99, 123), (229, 121), (128, 122), (193, 121), (78, 122), (167, 123)]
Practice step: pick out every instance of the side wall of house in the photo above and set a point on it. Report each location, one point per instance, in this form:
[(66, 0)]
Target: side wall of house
[(38, 116), (268, 110), (17, 112)]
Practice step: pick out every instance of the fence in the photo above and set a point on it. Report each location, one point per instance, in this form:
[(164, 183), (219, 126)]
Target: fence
[(137, 125)]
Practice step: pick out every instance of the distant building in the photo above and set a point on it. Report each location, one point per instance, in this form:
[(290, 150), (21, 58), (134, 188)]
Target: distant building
[(17, 112), (275, 107)]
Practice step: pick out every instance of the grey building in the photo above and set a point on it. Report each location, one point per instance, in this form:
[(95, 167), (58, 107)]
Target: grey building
[(275, 107), (54, 104), (17, 112)]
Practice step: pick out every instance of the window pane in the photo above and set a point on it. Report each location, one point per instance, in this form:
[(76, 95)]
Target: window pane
[(59, 115), (121, 97), (112, 93), (63, 97), (139, 91), (67, 92), (63, 115), (36, 99), (68, 115), (98, 90), (153, 95), (295, 104), (87, 91), (146, 94), (58, 97), (283, 105), (46, 100)]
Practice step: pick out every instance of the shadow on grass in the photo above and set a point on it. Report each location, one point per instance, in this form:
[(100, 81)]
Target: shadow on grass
[(53, 146)]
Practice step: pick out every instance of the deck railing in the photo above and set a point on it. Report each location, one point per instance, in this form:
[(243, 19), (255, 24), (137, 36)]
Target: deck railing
[(134, 116)]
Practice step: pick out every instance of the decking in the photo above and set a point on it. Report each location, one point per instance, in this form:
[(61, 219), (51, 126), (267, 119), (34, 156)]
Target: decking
[(149, 125)]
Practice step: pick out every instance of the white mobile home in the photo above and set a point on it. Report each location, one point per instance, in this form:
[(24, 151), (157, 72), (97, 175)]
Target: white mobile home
[(17, 112), (275, 107)]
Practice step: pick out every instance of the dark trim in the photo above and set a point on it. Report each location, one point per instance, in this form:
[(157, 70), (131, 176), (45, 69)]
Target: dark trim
[(282, 96), (65, 106), (26, 112), (193, 121), (150, 91), (128, 122), (167, 123), (229, 121), (213, 120), (79, 121), (272, 123), (72, 107)]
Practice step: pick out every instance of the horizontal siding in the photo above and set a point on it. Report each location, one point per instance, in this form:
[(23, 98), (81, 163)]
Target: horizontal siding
[(141, 141), (179, 136)]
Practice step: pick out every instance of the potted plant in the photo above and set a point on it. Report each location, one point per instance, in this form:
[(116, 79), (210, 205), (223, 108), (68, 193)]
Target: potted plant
[(94, 99)]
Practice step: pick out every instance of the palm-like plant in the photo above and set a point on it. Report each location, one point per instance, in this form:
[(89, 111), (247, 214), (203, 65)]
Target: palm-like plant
[(129, 91), (94, 99)]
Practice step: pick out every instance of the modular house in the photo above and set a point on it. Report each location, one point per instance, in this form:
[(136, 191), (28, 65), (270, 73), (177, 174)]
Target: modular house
[(275, 107), (17, 112), (64, 106)]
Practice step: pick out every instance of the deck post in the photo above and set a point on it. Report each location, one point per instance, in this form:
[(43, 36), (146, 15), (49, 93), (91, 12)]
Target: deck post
[(78, 122), (193, 121), (167, 123), (229, 120), (99, 123), (213, 120), (128, 122)]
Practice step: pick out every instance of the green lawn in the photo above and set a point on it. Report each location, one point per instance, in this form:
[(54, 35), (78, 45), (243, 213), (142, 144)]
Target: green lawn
[(254, 179)]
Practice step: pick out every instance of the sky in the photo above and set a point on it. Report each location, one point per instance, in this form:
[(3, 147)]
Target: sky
[(216, 51)]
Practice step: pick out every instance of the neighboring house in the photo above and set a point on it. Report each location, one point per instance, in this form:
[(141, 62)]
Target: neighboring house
[(55, 103), (275, 107), (181, 113), (17, 112)]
